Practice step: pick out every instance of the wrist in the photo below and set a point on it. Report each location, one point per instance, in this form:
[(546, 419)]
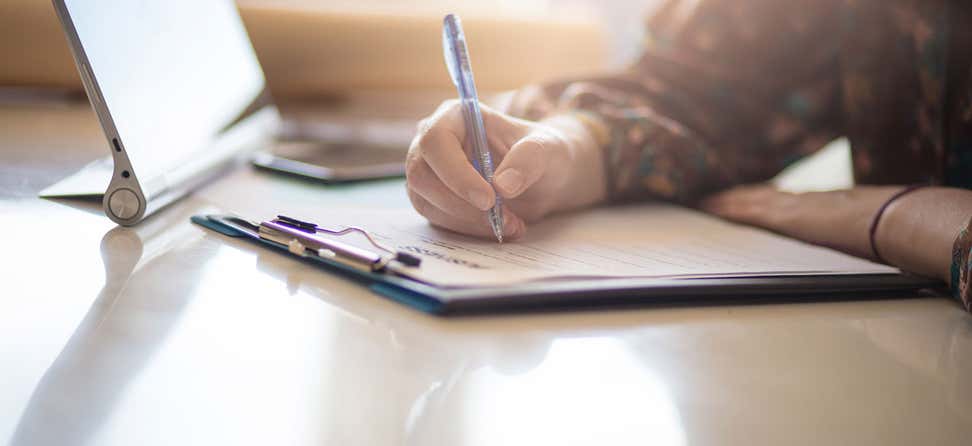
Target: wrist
[(889, 197), (586, 182), (917, 231)]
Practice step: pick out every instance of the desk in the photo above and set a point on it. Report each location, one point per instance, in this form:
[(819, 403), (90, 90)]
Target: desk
[(168, 334)]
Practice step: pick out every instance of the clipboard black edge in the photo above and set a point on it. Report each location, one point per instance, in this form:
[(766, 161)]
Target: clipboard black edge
[(613, 293), (607, 293)]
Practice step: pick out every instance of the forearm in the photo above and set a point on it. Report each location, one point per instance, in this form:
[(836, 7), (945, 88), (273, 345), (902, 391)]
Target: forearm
[(917, 231)]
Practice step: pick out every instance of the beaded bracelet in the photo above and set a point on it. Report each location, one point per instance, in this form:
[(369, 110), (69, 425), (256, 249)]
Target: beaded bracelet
[(872, 233)]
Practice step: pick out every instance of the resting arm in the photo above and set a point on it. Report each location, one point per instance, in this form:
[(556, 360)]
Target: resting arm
[(919, 231), (925, 232)]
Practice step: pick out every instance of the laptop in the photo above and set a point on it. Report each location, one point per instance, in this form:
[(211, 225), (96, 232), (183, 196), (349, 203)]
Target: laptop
[(179, 93)]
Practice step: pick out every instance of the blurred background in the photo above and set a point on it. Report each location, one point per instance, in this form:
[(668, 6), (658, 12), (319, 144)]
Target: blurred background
[(365, 70), (312, 48)]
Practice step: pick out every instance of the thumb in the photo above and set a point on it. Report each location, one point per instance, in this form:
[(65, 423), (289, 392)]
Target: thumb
[(524, 165)]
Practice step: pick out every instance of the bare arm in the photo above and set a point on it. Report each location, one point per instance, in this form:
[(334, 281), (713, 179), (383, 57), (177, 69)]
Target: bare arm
[(916, 233)]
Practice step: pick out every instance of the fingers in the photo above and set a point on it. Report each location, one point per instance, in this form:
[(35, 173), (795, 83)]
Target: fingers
[(439, 143), (524, 165), (501, 130), (424, 182), (513, 226), (723, 201), (446, 188), (441, 149), (759, 205)]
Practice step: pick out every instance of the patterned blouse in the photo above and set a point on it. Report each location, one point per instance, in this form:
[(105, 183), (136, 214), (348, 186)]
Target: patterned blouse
[(729, 92)]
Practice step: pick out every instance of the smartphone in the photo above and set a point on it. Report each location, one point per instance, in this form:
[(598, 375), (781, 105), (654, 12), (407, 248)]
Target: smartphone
[(334, 162)]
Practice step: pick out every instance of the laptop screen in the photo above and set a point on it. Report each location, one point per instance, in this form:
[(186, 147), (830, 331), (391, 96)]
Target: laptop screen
[(174, 74)]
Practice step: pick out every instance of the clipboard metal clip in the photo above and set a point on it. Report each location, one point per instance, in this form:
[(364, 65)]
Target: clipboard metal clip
[(303, 238)]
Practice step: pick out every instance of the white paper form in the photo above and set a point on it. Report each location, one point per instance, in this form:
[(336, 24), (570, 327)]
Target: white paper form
[(650, 241)]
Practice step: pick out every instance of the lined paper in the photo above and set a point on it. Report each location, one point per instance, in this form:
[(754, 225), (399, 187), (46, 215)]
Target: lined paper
[(645, 241)]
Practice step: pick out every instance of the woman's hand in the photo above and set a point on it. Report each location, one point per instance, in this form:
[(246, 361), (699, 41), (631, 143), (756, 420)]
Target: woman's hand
[(838, 219), (541, 167)]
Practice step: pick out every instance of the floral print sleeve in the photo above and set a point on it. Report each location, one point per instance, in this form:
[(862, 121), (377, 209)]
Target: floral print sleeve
[(962, 267), (724, 93)]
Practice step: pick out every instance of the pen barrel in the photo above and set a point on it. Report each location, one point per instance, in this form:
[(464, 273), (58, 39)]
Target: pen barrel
[(460, 69), (482, 158)]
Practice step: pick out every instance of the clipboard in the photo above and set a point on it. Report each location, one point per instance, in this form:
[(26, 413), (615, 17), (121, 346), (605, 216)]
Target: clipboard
[(380, 273)]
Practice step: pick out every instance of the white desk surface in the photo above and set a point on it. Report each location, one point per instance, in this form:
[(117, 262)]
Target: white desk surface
[(169, 334)]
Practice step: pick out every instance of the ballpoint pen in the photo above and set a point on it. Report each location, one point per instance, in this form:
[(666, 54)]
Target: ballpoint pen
[(460, 70)]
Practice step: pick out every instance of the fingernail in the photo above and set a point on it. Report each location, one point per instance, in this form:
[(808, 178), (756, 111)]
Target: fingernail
[(480, 199), (509, 181)]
